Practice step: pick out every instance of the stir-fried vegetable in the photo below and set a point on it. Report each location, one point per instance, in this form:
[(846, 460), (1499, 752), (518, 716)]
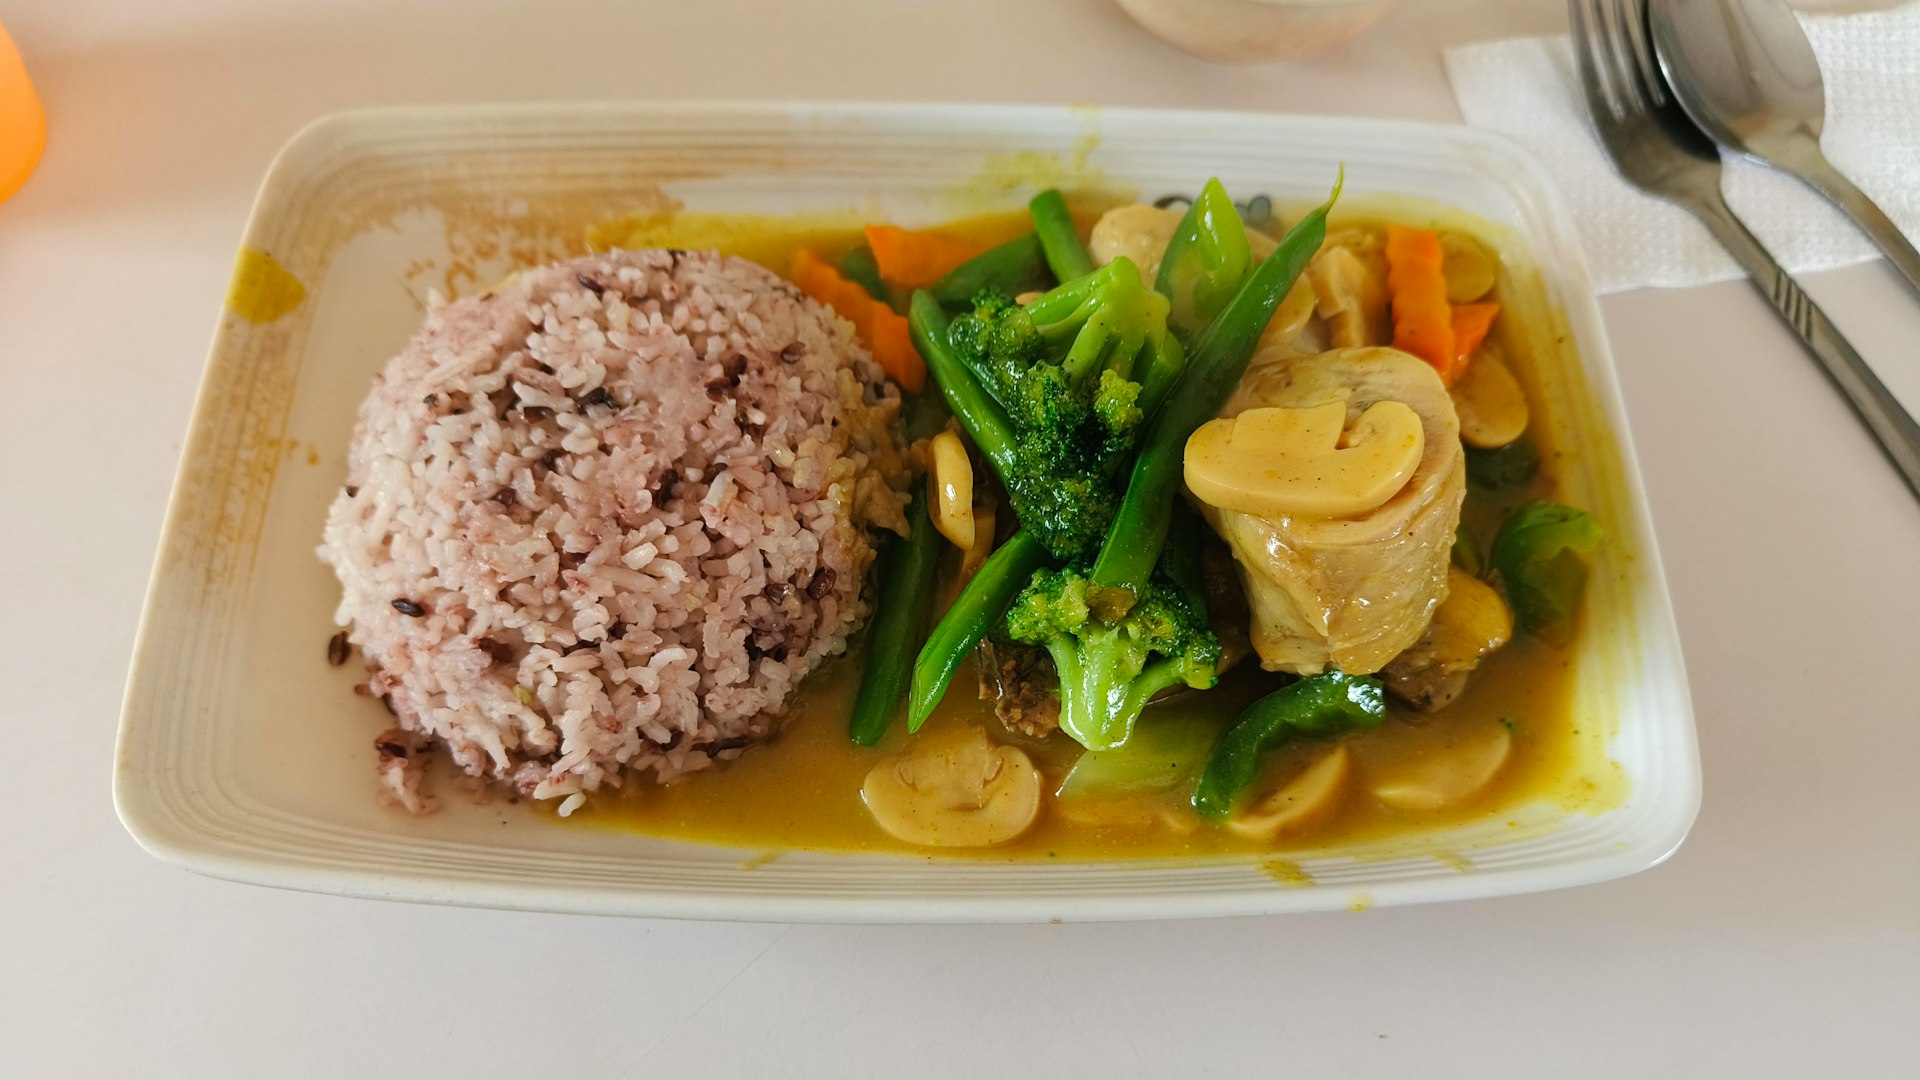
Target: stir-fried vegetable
[(881, 328), (1110, 669), (1417, 282), (968, 619), (1164, 753), (1218, 359), (1471, 323), (1536, 558), (1059, 237), (1047, 392), (903, 605), (1314, 707), (1206, 261), (1109, 321), (1508, 468), (916, 260), (1014, 267)]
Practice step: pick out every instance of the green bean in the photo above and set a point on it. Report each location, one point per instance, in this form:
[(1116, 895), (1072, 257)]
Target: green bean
[(1017, 266), (973, 613), (903, 605), (1322, 705), (1214, 366), (1059, 237), (970, 401)]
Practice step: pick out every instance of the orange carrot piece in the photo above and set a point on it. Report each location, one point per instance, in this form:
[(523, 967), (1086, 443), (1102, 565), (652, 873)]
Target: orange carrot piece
[(1471, 322), (915, 260), (1417, 282), (878, 326), (893, 347)]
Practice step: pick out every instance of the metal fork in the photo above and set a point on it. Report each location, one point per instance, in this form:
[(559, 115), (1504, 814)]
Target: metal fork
[(1660, 151)]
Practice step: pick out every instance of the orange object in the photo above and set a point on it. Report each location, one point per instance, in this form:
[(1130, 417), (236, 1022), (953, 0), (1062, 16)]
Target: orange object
[(23, 124), (1471, 322), (879, 327), (1417, 283), (915, 260)]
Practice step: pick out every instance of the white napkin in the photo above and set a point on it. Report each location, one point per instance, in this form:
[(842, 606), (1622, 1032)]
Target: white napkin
[(1529, 90)]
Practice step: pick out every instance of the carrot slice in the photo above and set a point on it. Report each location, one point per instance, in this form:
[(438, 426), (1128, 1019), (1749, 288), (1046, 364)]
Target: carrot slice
[(1471, 322), (1422, 319), (893, 346), (878, 326), (915, 260)]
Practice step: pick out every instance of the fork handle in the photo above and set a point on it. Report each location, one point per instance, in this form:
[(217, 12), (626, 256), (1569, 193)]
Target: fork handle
[(1883, 414), (1812, 166)]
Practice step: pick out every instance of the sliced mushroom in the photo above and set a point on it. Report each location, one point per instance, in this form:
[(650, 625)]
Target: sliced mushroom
[(1367, 243), (984, 517), (1137, 813), (1301, 804), (1488, 399), (966, 794), (1471, 624), (950, 484), (1138, 232), (1451, 776), (1469, 267), (972, 559), (1273, 461), (1350, 297)]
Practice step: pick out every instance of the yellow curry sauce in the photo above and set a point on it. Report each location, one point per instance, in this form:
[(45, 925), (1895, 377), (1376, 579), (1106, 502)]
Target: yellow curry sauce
[(803, 790)]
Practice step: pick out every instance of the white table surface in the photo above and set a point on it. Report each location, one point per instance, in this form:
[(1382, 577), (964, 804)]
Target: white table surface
[(1783, 940)]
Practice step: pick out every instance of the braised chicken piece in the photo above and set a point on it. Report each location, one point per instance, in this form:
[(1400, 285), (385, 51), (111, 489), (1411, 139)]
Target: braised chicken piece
[(1337, 481)]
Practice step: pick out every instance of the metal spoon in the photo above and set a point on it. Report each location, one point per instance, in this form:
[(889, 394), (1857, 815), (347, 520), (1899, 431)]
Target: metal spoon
[(1745, 73)]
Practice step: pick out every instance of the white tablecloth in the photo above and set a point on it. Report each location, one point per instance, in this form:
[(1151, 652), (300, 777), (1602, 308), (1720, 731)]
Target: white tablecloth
[(1782, 941)]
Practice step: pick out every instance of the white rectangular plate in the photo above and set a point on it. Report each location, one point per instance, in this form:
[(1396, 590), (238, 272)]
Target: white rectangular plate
[(243, 755)]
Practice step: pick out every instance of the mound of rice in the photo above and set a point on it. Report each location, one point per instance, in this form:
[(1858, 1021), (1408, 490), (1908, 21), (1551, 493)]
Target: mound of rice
[(607, 518)]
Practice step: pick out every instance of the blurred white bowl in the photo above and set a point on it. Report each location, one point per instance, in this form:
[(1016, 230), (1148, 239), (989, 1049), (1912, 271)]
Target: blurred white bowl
[(1246, 31)]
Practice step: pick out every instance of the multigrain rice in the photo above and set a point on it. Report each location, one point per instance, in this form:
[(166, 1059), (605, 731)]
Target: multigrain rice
[(607, 518)]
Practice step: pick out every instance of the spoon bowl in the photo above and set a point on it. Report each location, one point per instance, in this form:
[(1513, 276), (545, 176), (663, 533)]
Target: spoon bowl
[(1746, 74)]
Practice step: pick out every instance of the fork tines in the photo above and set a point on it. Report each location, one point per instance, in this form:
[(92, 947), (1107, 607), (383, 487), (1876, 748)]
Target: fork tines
[(1612, 43)]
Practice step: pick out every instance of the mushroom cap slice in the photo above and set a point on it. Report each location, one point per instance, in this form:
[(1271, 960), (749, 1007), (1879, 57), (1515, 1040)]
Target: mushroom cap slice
[(1302, 803), (969, 793), (1488, 399), (1450, 777), (1469, 267), (1305, 461)]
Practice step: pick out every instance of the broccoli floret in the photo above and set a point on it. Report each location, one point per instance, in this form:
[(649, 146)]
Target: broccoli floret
[(1107, 321), (1116, 407), (1109, 670), (1066, 370)]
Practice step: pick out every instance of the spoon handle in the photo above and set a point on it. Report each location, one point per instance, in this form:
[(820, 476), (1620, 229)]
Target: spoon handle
[(1883, 414), (1812, 166)]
